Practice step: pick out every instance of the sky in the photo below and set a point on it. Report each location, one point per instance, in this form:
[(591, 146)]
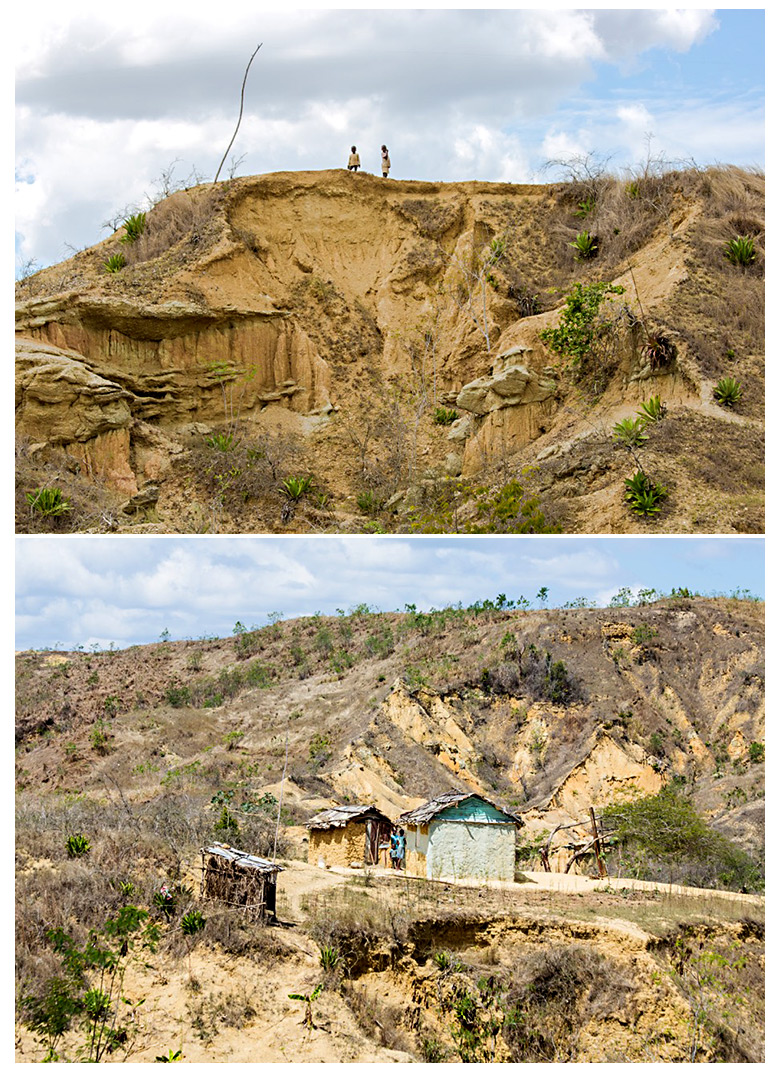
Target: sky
[(112, 98), (95, 591)]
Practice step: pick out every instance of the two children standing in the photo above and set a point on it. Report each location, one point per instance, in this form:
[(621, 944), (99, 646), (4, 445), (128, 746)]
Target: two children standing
[(354, 161)]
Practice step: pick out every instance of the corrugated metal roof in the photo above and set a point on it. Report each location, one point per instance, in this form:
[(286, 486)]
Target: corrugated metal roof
[(423, 814), (243, 858), (339, 816)]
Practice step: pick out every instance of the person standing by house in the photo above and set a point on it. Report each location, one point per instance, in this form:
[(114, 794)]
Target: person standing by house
[(397, 849), (385, 161), (354, 160)]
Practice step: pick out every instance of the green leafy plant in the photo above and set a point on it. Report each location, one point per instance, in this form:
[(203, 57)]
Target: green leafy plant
[(741, 251), (756, 752), (444, 416), (91, 984), (643, 494), (630, 432), (134, 227), (76, 845), (727, 391), (115, 263), (308, 1016), (172, 1055), (222, 441), (330, 958), (585, 246), (295, 487), (632, 189), (369, 502), (48, 502), (226, 822), (192, 923), (574, 336), (652, 410), (587, 206)]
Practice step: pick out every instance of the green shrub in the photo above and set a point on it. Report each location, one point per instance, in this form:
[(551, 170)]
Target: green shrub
[(192, 923), (114, 263), (587, 206), (177, 696), (665, 831), (741, 251), (756, 752), (369, 502), (165, 901), (48, 502), (575, 335), (727, 391), (222, 441)]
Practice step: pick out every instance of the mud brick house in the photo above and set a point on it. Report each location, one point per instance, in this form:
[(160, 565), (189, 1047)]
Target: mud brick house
[(460, 835), (348, 836)]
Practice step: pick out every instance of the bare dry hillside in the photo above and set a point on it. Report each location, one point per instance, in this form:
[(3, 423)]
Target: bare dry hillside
[(379, 344), (151, 752)]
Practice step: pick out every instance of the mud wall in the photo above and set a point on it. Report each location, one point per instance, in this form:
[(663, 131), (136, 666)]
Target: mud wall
[(338, 847)]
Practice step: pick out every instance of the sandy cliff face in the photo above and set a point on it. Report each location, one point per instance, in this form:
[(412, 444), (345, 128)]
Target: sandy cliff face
[(350, 307)]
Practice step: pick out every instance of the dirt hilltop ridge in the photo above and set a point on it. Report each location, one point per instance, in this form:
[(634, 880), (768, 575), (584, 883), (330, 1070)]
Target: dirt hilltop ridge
[(313, 322)]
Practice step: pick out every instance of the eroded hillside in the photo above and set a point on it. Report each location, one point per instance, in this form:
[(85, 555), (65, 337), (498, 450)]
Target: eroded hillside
[(549, 711), (150, 752), (383, 339)]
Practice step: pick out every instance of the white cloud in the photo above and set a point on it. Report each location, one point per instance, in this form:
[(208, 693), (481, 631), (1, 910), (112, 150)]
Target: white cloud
[(108, 99)]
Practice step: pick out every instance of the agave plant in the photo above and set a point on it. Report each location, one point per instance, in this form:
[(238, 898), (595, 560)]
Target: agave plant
[(114, 263), (643, 494), (330, 958), (369, 502), (652, 410), (48, 502), (76, 845), (295, 487), (441, 415), (192, 923), (587, 206), (630, 432), (134, 226), (741, 251), (727, 391), (223, 441), (585, 246)]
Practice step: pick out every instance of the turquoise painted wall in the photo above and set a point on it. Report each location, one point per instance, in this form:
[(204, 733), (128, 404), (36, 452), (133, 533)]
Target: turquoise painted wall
[(474, 809)]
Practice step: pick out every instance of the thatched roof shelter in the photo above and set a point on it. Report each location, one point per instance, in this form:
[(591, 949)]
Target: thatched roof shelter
[(239, 879)]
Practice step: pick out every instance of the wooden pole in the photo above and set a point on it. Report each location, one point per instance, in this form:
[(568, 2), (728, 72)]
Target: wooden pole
[(597, 845), (240, 111)]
